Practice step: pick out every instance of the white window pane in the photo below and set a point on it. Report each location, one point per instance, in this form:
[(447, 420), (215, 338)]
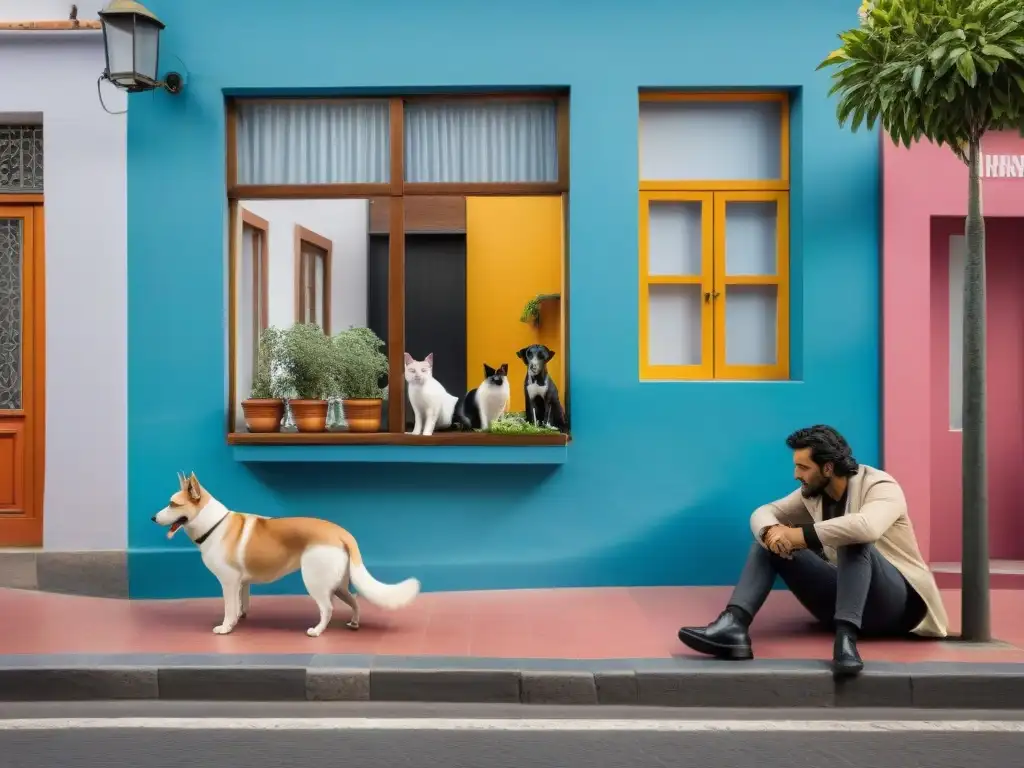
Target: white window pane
[(750, 324), (751, 242), (314, 142), (706, 140), (481, 141), (674, 238), (957, 266), (674, 325)]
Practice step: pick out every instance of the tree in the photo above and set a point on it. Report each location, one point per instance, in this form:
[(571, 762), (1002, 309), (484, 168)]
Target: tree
[(947, 71)]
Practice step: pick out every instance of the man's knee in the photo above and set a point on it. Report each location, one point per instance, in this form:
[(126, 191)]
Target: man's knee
[(854, 552)]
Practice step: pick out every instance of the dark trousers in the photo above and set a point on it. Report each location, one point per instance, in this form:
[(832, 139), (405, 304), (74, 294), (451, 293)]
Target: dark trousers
[(864, 589)]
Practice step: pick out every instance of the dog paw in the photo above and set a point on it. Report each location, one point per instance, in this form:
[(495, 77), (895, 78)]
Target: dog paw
[(353, 625), (314, 631), (222, 629)]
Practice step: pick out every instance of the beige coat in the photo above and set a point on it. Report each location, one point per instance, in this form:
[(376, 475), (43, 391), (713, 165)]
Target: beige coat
[(876, 512)]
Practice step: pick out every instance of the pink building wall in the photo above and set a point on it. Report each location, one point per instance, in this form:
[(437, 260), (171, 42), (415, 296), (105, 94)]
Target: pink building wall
[(923, 188)]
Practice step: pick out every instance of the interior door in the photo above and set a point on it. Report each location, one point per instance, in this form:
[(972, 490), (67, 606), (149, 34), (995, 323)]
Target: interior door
[(21, 357)]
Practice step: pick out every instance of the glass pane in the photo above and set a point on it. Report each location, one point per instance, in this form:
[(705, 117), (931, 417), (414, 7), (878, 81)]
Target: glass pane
[(296, 279), (120, 47), (675, 238), (751, 324), (481, 141), (147, 39), (709, 140), (21, 158), (674, 325), (11, 243), (314, 142), (751, 243)]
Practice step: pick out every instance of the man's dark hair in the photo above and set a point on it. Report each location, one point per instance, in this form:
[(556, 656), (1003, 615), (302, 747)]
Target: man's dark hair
[(827, 446)]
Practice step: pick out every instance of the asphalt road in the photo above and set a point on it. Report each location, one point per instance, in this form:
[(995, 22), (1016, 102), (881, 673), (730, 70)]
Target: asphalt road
[(185, 735)]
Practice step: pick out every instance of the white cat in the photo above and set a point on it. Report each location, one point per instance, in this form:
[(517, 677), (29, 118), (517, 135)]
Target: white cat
[(488, 401), (431, 403)]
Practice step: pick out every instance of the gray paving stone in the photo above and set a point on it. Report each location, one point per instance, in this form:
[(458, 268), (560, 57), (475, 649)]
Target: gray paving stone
[(558, 687), (616, 687), (875, 689), (735, 688), (92, 574), (939, 690), (326, 684), (18, 570), (451, 685), (233, 683), (41, 684)]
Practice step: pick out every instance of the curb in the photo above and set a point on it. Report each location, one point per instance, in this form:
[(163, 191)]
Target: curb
[(643, 682)]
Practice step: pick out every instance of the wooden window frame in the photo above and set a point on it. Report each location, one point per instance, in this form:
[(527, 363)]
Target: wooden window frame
[(260, 283), (397, 189), (304, 235), (713, 196)]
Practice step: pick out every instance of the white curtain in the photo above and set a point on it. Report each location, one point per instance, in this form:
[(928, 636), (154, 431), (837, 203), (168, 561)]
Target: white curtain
[(481, 141), (314, 142)]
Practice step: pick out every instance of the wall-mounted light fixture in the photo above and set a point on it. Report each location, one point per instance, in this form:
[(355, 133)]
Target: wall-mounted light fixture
[(131, 37)]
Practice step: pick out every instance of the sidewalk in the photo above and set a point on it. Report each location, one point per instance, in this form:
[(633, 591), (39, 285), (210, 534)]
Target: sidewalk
[(550, 646)]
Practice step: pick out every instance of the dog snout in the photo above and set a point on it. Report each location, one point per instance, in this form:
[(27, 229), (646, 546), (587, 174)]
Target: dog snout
[(153, 518)]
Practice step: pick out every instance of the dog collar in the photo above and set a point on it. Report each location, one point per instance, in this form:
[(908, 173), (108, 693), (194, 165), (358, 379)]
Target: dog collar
[(205, 536)]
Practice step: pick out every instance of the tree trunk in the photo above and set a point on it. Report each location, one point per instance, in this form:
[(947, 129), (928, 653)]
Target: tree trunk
[(975, 574)]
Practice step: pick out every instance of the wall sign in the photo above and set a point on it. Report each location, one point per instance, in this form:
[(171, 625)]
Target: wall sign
[(1002, 166)]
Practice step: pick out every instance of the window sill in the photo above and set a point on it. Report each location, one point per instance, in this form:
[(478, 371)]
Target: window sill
[(385, 448)]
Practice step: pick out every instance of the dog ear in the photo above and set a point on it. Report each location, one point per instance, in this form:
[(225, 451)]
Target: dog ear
[(488, 371), (549, 353), (182, 481), (194, 491), (429, 359), (521, 354), (408, 359)]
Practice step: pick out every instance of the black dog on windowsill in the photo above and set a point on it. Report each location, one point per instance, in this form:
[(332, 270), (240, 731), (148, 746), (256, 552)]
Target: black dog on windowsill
[(543, 406)]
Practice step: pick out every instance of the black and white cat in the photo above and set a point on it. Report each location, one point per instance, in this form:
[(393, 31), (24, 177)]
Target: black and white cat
[(488, 401)]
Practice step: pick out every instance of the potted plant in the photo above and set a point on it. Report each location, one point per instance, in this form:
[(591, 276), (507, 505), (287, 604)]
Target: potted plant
[(309, 362), (531, 312), (361, 366), (264, 408)]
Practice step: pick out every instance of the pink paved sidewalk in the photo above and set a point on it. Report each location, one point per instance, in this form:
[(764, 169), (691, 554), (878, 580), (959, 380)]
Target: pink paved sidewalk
[(564, 623)]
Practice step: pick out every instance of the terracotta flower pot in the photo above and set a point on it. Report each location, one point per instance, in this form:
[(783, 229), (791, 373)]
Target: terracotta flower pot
[(362, 415), (263, 415), (309, 415)]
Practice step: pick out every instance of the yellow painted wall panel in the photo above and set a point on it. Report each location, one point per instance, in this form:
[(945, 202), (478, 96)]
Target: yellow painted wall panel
[(514, 251)]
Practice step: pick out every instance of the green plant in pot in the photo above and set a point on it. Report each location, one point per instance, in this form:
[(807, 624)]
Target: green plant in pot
[(361, 366), (531, 312), (309, 362), (264, 408)]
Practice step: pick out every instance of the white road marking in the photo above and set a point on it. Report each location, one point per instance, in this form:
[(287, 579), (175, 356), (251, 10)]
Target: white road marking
[(510, 724)]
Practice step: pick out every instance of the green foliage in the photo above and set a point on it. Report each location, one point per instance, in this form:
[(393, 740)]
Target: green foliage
[(531, 312), (264, 385), (516, 424), (945, 70), (361, 364), (310, 362)]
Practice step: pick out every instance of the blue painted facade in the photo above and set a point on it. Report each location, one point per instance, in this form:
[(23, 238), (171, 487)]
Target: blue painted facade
[(662, 499)]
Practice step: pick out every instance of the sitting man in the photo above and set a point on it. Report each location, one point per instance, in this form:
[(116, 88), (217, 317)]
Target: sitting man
[(846, 549)]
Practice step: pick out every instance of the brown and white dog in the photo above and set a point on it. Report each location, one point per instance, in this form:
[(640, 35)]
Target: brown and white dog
[(242, 549)]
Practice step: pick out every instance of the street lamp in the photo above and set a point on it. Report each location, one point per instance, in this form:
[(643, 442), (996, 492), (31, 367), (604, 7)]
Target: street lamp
[(131, 37)]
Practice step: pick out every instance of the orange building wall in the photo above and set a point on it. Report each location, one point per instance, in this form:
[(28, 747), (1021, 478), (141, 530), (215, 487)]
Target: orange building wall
[(514, 251)]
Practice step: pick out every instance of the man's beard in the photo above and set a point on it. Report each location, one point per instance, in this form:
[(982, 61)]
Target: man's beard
[(813, 491)]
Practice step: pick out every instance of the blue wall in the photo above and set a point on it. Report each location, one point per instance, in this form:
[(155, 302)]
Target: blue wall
[(656, 500)]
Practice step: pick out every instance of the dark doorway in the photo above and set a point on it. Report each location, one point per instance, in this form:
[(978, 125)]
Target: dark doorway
[(435, 304)]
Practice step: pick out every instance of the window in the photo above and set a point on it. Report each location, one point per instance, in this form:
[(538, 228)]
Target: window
[(437, 222), (714, 236), (312, 278)]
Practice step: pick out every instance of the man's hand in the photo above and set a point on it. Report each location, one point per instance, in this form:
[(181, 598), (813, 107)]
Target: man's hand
[(783, 540)]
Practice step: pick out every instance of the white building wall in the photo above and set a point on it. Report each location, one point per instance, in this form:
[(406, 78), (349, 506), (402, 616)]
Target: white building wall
[(54, 73)]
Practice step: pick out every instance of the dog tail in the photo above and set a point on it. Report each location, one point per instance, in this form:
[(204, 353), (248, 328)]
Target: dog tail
[(391, 596)]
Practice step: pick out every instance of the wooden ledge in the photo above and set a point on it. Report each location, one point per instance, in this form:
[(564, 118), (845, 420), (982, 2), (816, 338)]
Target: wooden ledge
[(388, 438)]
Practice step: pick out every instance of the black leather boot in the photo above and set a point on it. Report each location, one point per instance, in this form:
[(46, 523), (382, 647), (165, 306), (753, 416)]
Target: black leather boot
[(724, 638), (846, 661)]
